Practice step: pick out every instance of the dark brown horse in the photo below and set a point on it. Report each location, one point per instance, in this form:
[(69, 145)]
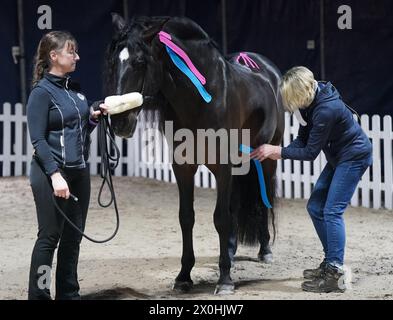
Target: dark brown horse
[(244, 95)]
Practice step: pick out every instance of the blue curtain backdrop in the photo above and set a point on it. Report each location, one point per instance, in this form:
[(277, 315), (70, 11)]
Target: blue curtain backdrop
[(358, 61)]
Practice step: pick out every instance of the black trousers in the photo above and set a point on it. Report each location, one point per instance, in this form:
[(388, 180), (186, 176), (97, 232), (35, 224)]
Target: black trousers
[(54, 231)]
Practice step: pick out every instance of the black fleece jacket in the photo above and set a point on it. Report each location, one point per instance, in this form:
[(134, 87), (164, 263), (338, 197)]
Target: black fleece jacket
[(58, 117)]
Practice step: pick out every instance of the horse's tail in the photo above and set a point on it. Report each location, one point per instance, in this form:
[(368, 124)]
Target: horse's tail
[(251, 216)]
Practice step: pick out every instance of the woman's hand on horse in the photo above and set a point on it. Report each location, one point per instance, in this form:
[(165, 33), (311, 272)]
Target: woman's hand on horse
[(60, 186), (266, 151), (103, 110)]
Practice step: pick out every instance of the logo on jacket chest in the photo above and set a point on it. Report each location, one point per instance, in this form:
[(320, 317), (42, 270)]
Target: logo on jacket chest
[(81, 96)]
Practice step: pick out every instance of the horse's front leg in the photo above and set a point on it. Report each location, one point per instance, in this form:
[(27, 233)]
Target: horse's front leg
[(223, 224), (185, 182)]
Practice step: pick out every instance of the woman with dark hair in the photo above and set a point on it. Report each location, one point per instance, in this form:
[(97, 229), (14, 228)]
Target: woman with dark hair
[(60, 122)]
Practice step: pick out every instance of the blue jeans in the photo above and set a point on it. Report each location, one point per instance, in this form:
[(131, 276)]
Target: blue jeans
[(329, 199)]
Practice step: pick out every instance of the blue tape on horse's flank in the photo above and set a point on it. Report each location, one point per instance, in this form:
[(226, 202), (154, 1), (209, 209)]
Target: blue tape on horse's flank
[(183, 68), (246, 149)]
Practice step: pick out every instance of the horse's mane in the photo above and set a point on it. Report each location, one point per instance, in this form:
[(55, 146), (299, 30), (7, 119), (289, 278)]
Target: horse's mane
[(182, 27)]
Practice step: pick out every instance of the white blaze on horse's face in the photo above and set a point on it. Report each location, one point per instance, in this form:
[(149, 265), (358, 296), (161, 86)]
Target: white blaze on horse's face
[(124, 55)]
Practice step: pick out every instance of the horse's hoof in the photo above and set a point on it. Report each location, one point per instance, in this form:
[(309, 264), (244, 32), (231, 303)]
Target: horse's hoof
[(266, 258), (224, 289), (182, 286)]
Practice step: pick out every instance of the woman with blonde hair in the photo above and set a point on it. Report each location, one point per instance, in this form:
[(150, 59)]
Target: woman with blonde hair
[(327, 125)]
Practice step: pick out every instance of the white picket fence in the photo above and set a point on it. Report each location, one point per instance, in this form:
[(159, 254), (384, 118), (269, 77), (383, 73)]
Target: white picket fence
[(295, 178)]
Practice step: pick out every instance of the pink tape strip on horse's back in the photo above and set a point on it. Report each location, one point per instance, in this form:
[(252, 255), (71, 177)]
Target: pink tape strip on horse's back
[(238, 60), (166, 39), (247, 60), (252, 62)]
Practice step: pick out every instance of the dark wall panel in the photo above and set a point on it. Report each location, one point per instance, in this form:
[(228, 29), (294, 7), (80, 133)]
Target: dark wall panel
[(91, 25), (9, 80), (278, 29), (358, 61)]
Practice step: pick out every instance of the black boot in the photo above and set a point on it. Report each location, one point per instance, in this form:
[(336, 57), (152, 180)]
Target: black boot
[(314, 273), (331, 280)]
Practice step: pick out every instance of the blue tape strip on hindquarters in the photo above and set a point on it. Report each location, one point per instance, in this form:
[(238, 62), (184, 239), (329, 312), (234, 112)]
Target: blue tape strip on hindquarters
[(183, 68), (247, 150)]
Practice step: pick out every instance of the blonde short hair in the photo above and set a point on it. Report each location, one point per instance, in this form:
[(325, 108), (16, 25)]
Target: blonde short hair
[(297, 88)]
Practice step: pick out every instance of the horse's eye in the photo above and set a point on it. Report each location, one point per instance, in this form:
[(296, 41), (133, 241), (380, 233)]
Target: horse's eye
[(139, 60)]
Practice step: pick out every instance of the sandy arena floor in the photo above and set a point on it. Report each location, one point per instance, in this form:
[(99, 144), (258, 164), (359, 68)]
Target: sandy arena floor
[(144, 258)]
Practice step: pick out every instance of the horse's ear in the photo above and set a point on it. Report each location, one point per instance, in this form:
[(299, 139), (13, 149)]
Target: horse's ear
[(149, 34), (118, 22)]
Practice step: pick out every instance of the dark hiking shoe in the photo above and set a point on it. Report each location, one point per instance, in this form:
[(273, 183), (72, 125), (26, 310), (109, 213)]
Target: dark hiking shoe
[(331, 280), (314, 273)]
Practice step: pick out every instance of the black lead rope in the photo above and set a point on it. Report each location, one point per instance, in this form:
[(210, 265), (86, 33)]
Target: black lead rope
[(104, 131)]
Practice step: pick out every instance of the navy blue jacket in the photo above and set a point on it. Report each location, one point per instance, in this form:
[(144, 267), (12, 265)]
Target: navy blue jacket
[(330, 128), (58, 118)]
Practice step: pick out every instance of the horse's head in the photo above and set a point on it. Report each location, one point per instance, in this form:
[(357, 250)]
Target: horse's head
[(131, 67)]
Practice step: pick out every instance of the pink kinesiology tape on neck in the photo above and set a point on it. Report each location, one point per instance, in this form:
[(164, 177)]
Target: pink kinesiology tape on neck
[(166, 39)]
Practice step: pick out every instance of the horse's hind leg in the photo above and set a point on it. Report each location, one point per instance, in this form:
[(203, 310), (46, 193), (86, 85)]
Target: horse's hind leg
[(223, 224), (265, 254), (185, 182)]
